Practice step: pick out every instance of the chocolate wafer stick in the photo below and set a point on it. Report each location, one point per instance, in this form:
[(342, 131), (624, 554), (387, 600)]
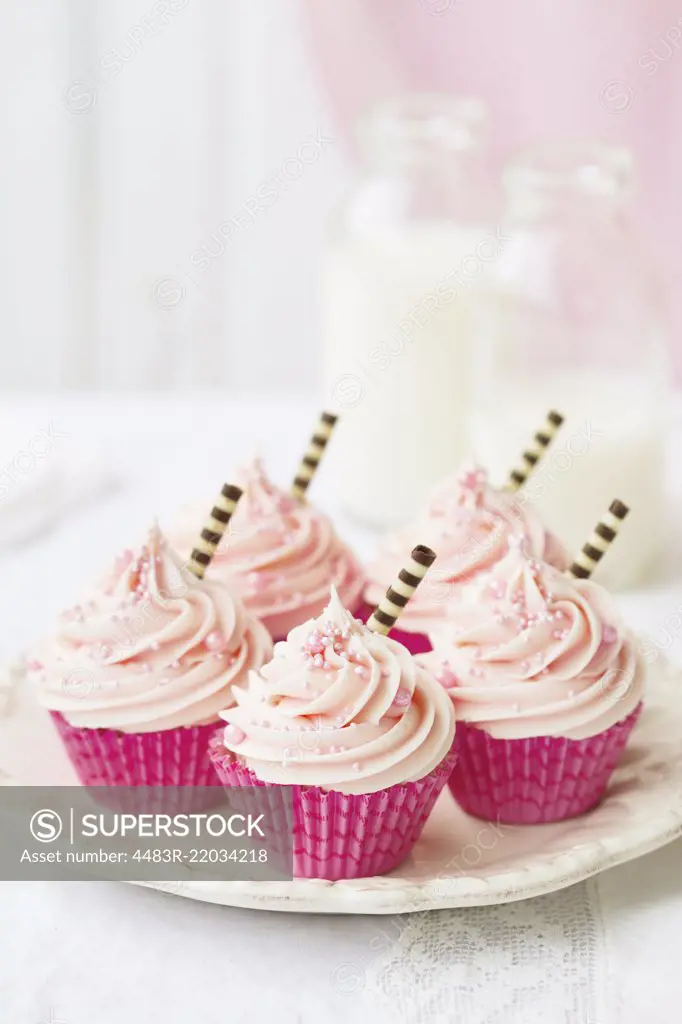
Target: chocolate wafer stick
[(313, 455), (399, 593), (215, 527), (599, 542), (532, 455)]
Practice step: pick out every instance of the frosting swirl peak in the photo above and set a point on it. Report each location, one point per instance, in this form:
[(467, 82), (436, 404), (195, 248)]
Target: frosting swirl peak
[(281, 554), (469, 523), (534, 652), (341, 708), (153, 649)]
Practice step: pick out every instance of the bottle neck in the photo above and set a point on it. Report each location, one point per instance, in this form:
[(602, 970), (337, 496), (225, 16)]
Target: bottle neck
[(570, 180), (429, 135), (432, 185), (422, 162)]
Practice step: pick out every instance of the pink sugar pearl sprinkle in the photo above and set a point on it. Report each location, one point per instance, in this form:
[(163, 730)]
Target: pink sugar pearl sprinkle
[(446, 677), (233, 734), (215, 641)]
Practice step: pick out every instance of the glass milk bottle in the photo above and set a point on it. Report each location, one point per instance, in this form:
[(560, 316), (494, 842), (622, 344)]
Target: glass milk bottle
[(406, 252), (572, 319)]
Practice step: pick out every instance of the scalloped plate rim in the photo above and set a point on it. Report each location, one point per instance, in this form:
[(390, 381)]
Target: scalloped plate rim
[(400, 896)]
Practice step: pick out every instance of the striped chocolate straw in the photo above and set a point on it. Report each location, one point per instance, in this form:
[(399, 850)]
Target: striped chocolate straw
[(313, 455), (399, 593), (598, 544), (532, 455), (215, 527)]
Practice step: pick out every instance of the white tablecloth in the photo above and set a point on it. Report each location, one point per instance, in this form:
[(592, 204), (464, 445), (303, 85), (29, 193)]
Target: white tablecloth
[(602, 952)]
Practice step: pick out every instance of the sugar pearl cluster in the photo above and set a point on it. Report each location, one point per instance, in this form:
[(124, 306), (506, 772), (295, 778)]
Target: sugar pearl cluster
[(131, 621), (138, 571), (284, 504), (324, 641), (471, 495), (445, 676), (511, 607), (473, 483), (326, 644), (264, 500)]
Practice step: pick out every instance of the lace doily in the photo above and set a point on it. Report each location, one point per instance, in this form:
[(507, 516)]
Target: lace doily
[(540, 961)]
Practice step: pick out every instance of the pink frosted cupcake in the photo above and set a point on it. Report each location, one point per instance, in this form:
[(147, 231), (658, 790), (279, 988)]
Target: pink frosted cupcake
[(469, 523), (280, 553), (547, 685), (135, 678), (362, 733)]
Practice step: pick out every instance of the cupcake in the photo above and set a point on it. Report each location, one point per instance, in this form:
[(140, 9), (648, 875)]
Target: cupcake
[(469, 523), (362, 733), (547, 685), (280, 554), (135, 678)]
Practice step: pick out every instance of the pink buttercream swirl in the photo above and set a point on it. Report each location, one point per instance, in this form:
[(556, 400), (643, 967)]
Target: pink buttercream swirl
[(153, 649), (533, 652), (469, 524), (341, 708), (282, 554)]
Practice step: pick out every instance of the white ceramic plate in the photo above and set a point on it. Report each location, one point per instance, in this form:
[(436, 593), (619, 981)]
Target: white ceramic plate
[(459, 861)]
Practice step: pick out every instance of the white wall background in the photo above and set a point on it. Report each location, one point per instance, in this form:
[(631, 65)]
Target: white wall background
[(131, 131)]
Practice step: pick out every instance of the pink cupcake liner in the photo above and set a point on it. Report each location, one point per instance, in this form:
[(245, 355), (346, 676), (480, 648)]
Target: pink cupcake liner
[(416, 643), (338, 835), (171, 757), (535, 780)]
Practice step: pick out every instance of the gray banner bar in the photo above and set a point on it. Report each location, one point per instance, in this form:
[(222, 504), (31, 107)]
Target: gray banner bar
[(173, 834)]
